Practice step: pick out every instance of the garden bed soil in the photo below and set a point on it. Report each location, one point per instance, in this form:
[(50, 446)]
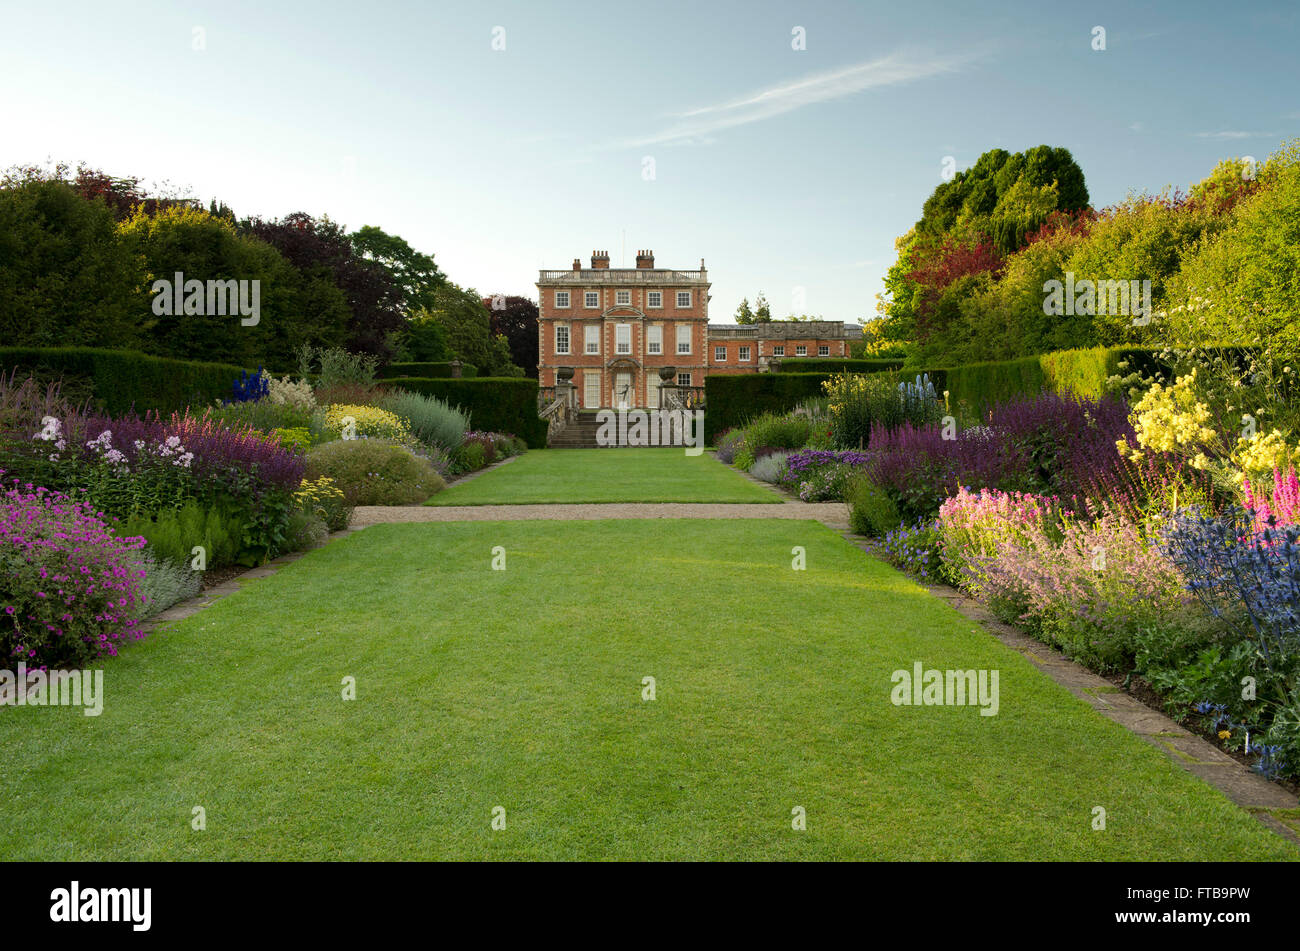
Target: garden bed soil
[(219, 576)]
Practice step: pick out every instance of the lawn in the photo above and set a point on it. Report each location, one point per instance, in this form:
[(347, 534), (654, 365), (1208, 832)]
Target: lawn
[(607, 475), (523, 689)]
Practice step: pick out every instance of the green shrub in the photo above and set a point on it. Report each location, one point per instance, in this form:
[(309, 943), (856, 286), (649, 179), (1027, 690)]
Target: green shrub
[(427, 371), (871, 511), (431, 420), (166, 582), (326, 501), (374, 472), (469, 456), (296, 440), (334, 366), (116, 380), (173, 533), (770, 467), (262, 415), (494, 404), (305, 530), (772, 431)]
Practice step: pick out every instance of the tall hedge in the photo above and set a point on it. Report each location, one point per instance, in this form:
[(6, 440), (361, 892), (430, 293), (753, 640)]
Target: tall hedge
[(494, 404), (837, 365), (732, 400), (1081, 372), (427, 371), (118, 380), (978, 386)]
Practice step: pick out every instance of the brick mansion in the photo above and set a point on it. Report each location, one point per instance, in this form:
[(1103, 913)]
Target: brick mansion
[(617, 328)]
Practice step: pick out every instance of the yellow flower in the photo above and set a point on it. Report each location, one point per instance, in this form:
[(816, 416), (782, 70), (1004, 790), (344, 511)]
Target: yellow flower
[(1261, 453), (367, 421), (1224, 734)]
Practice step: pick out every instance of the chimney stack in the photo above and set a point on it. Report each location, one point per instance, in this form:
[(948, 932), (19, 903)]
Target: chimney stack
[(577, 265), (600, 259), (645, 259)]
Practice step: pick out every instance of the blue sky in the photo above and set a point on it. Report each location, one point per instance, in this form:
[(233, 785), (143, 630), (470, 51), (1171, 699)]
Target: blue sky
[(789, 171)]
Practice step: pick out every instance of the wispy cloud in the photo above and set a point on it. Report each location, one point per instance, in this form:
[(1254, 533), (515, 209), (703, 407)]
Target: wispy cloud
[(699, 124), (1236, 135)]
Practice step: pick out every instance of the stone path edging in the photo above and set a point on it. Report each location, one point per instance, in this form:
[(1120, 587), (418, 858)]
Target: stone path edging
[(1266, 801), (478, 472)]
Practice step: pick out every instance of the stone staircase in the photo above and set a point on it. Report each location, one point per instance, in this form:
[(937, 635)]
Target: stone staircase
[(580, 433)]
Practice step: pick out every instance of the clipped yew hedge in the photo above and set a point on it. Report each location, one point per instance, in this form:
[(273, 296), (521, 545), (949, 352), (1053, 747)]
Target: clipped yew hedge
[(494, 404), (837, 365), (425, 371), (1079, 372), (117, 381), (730, 401)]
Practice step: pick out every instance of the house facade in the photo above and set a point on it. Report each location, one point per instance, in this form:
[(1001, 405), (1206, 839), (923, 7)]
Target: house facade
[(618, 328)]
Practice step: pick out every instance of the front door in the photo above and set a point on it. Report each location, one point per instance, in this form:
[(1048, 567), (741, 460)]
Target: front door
[(623, 390)]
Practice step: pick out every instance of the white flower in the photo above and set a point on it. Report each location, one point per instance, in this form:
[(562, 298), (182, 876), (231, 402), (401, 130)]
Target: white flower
[(50, 428), (174, 442), (103, 441)]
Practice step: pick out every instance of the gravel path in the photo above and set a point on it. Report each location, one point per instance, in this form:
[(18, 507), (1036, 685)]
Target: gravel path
[(832, 514)]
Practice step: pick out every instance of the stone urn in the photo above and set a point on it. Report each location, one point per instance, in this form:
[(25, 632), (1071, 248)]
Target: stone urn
[(668, 374), (564, 375)]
